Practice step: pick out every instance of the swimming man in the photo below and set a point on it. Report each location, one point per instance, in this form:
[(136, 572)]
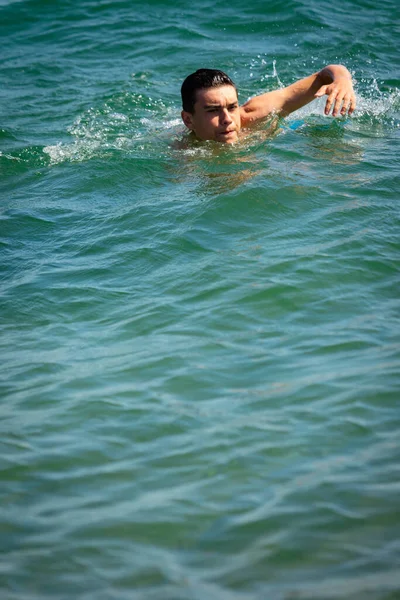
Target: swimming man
[(211, 109)]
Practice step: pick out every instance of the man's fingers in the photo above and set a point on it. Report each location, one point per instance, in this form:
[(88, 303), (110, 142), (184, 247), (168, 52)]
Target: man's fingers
[(341, 103), (352, 104), (329, 102), (346, 104), (349, 104), (338, 103)]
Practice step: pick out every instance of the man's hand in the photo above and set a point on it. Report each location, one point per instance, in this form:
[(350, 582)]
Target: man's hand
[(341, 96)]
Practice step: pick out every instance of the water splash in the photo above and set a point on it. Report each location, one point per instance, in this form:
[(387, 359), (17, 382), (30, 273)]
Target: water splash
[(377, 107), (258, 67), (123, 124)]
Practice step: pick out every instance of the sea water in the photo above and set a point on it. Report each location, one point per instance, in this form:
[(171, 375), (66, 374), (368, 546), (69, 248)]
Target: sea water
[(199, 347)]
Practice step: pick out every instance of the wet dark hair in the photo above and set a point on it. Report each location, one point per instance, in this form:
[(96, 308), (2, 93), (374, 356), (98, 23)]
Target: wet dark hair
[(201, 79)]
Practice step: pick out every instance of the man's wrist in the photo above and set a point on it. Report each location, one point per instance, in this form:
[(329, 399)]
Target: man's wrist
[(333, 73)]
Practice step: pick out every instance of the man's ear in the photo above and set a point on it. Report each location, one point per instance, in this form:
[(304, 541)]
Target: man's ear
[(187, 119)]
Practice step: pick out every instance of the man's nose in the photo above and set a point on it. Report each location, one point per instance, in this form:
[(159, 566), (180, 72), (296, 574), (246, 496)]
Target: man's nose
[(226, 116)]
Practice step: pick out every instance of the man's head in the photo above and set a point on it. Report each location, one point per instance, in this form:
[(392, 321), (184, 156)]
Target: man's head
[(210, 106)]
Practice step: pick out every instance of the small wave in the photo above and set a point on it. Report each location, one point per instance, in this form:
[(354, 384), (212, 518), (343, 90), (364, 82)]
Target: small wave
[(10, 156), (124, 123)]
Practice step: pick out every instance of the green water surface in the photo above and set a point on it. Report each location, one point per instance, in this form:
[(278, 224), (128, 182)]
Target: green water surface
[(200, 347)]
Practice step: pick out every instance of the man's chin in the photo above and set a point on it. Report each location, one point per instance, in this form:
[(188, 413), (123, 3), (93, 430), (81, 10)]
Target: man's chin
[(230, 137)]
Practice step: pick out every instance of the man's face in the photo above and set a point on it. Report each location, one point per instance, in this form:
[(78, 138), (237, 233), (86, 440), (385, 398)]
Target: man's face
[(216, 115)]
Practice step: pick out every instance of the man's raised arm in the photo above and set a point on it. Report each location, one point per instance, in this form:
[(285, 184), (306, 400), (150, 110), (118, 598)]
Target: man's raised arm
[(333, 81)]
